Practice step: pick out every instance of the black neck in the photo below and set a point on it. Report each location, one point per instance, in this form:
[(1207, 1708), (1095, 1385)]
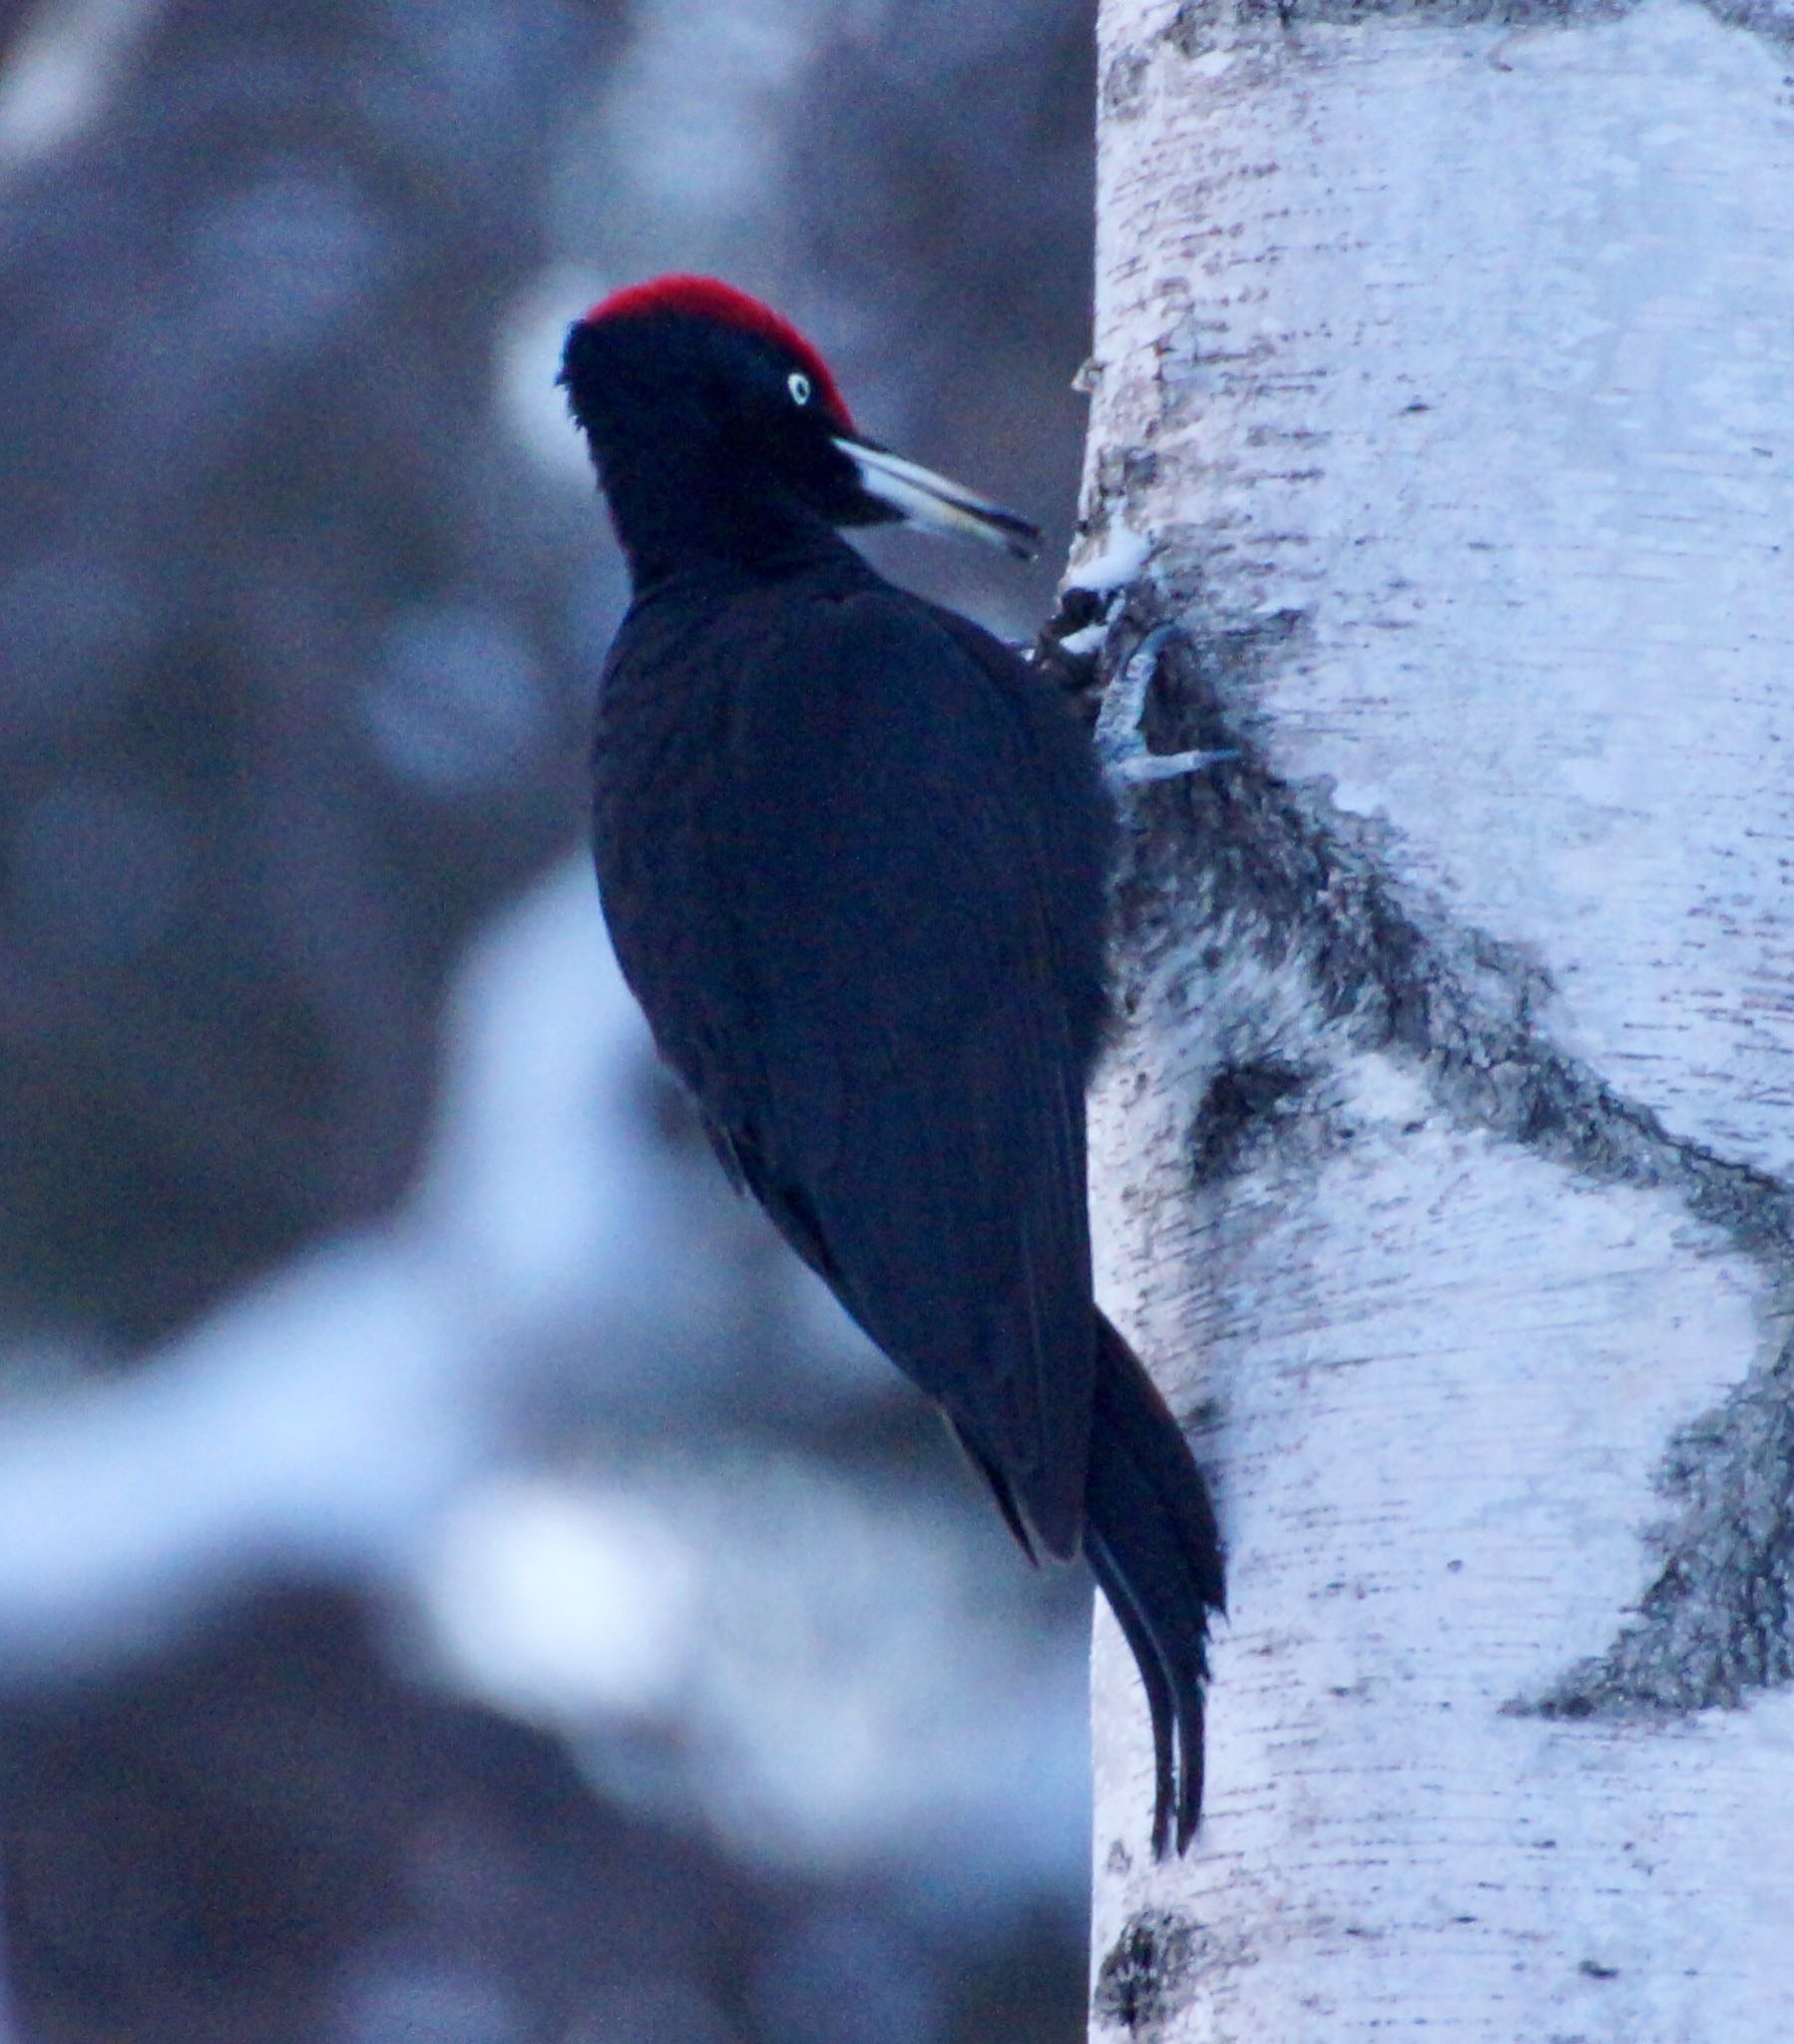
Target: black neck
[(689, 515)]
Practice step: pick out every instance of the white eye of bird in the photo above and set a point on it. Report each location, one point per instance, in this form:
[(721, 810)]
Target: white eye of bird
[(800, 386)]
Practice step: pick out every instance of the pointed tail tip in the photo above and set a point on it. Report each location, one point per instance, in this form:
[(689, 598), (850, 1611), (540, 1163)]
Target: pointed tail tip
[(1156, 1550), (1177, 1801)]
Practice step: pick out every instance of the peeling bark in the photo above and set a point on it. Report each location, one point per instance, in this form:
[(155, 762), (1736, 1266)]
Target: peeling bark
[(1444, 396)]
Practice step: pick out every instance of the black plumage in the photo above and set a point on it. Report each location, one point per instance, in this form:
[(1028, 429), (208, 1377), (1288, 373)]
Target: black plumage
[(853, 853)]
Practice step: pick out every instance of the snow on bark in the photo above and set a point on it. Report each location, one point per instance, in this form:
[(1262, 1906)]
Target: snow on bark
[(1447, 366)]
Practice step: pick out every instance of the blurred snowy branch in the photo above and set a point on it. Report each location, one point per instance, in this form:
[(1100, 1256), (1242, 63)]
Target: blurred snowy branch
[(358, 1416)]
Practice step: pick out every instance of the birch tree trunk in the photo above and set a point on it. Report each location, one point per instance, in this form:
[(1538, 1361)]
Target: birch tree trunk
[(1444, 395)]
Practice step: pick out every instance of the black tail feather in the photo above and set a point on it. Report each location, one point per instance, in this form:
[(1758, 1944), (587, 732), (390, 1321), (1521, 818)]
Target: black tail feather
[(1152, 1543), (1153, 1680)]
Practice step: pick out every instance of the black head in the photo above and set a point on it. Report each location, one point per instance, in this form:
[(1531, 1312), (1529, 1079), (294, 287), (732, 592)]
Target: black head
[(718, 432)]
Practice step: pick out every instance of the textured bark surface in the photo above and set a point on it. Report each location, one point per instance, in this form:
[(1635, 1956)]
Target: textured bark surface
[(1444, 392)]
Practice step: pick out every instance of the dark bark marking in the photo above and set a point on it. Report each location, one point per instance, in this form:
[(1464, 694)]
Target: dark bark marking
[(1241, 1103), (1199, 26), (1306, 890), (1147, 1973), (1124, 84)]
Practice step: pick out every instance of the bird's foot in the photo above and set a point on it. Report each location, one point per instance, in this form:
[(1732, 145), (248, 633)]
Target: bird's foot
[(1120, 745)]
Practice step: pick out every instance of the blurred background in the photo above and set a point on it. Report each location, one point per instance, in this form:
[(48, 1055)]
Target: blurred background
[(460, 1581)]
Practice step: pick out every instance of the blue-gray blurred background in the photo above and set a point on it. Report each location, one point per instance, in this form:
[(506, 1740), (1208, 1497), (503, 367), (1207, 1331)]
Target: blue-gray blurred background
[(460, 1582)]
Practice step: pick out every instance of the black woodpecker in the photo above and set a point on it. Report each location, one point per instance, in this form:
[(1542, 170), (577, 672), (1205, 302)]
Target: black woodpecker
[(853, 855)]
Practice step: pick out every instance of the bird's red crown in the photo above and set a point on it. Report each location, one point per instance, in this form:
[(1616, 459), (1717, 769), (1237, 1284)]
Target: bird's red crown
[(706, 297)]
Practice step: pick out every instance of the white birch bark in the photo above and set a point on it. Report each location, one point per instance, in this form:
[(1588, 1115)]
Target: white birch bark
[(1445, 369)]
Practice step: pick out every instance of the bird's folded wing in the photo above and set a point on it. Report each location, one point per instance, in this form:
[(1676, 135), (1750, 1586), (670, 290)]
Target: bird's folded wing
[(918, 1131)]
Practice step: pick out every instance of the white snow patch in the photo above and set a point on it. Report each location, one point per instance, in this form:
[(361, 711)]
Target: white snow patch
[(1087, 641), (62, 71), (557, 1601), (1115, 564), (330, 1413)]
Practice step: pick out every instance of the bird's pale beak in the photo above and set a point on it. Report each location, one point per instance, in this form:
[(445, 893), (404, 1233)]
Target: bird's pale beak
[(923, 498)]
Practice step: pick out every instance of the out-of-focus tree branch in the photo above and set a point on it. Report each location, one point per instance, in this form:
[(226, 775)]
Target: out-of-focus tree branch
[(289, 700), (16, 17)]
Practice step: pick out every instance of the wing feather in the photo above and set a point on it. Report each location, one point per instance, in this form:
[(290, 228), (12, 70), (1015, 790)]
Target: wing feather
[(917, 1127)]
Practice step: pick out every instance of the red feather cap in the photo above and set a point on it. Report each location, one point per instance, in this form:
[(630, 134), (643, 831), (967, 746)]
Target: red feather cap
[(706, 297)]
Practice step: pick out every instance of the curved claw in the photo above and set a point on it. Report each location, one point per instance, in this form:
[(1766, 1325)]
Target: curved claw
[(1167, 765), (1122, 750)]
